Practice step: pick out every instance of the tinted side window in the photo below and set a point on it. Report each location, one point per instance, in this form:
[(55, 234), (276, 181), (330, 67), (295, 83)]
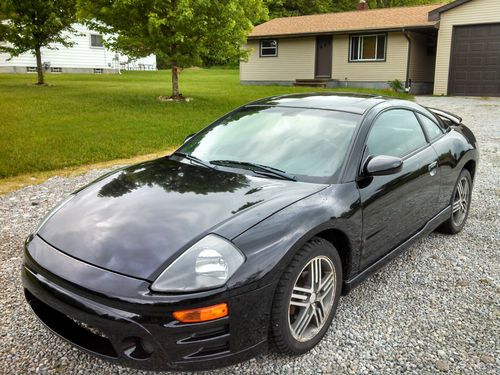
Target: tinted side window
[(432, 129), (396, 132)]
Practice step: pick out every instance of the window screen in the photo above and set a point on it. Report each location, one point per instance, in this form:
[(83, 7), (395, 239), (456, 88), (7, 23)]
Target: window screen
[(96, 40), (269, 47), (367, 47)]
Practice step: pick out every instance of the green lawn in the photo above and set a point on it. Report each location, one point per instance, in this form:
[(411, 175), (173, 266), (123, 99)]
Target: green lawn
[(84, 119)]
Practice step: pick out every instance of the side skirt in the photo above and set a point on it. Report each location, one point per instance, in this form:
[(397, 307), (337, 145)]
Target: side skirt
[(432, 224)]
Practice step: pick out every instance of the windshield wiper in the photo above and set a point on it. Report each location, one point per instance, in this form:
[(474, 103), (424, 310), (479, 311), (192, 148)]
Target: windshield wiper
[(256, 168), (194, 159)]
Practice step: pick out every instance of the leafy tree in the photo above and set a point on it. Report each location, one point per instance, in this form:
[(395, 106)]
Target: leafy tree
[(29, 25), (399, 3), (287, 8), (181, 32), (153, 174)]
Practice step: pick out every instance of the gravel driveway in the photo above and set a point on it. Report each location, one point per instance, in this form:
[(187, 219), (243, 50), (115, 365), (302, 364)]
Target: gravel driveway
[(434, 309)]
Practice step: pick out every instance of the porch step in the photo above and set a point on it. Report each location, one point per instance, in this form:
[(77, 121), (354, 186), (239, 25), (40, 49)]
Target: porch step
[(311, 82)]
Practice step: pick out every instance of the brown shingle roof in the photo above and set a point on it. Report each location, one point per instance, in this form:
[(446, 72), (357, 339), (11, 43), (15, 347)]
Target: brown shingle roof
[(374, 19)]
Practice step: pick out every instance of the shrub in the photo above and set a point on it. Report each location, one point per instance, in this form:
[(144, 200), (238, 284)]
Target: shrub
[(396, 85)]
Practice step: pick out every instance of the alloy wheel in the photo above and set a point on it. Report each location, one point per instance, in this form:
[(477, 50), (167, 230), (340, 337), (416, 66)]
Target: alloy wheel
[(312, 298), (461, 201)]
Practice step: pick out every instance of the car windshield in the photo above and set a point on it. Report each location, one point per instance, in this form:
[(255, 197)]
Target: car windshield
[(301, 142)]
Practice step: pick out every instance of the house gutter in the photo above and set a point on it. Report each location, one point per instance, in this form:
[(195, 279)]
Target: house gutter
[(407, 81)]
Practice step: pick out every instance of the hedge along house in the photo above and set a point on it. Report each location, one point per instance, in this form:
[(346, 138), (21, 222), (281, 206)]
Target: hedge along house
[(368, 48)]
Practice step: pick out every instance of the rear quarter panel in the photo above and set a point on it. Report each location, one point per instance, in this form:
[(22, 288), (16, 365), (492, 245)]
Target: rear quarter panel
[(455, 149)]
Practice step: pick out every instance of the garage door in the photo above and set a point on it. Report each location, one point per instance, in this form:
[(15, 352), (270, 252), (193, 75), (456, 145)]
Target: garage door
[(475, 60)]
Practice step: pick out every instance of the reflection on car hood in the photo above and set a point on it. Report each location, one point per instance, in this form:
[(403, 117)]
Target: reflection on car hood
[(136, 219)]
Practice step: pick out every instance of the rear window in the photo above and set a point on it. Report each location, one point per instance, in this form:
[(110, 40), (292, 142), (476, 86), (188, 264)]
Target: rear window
[(445, 122)]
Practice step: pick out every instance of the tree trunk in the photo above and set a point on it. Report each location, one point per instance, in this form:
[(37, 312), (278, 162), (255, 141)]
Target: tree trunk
[(39, 67), (175, 81)]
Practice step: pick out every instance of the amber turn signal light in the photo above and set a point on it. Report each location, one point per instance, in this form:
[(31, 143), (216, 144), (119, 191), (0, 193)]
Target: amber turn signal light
[(202, 314)]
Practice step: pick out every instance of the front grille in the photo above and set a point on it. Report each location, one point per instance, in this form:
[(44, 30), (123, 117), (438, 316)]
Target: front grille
[(207, 342), (76, 332), (213, 333), (211, 350), (93, 330)]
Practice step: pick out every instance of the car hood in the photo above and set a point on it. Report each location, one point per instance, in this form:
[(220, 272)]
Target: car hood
[(136, 220)]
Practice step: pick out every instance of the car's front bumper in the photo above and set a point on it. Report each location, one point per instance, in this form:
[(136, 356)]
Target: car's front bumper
[(144, 334)]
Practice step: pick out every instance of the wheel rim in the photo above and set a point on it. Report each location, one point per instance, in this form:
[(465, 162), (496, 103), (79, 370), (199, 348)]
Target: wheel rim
[(461, 201), (312, 298)]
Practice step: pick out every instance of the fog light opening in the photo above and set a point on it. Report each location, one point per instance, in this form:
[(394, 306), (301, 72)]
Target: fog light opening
[(136, 348), (202, 314)]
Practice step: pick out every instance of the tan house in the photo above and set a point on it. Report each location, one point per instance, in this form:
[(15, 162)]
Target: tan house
[(451, 49)]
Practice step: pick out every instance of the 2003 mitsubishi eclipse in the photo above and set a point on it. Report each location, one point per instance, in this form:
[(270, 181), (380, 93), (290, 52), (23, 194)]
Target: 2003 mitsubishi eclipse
[(250, 232)]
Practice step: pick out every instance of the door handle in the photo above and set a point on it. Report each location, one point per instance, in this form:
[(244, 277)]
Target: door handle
[(433, 168)]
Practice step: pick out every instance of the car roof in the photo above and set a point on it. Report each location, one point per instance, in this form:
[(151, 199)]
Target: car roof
[(343, 102)]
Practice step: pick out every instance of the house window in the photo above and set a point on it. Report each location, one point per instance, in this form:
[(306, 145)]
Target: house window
[(96, 40), (56, 70), (269, 48), (367, 47), (98, 70), (31, 69)]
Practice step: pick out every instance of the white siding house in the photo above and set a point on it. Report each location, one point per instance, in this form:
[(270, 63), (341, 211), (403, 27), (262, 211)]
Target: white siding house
[(87, 55)]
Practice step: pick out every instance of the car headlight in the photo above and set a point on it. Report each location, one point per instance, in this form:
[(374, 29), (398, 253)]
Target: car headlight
[(52, 212), (207, 264)]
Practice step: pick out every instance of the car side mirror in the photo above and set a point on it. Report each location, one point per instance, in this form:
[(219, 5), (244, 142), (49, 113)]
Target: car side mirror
[(383, 165), (189, 137)]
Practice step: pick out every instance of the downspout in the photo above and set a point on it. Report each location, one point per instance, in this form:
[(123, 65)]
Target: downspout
[(407, 81)]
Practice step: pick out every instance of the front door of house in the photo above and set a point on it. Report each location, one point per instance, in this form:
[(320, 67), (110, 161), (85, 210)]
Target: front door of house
[(324, 56)]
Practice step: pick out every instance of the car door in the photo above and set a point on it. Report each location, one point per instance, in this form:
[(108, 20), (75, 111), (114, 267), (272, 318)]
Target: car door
[(444, 148), (396, 206)]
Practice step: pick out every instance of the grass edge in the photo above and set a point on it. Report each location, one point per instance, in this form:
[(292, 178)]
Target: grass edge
[(11, 184)]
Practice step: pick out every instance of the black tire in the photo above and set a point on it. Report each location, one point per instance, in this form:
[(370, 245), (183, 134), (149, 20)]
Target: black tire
[(281, 326), (451, 226)]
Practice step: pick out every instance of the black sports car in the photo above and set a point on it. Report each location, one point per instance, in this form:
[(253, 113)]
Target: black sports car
[(249, 233)]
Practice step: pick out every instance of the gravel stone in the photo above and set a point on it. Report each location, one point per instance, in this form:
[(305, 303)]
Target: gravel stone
[(441, 296), (442, 366), (487, 359)]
